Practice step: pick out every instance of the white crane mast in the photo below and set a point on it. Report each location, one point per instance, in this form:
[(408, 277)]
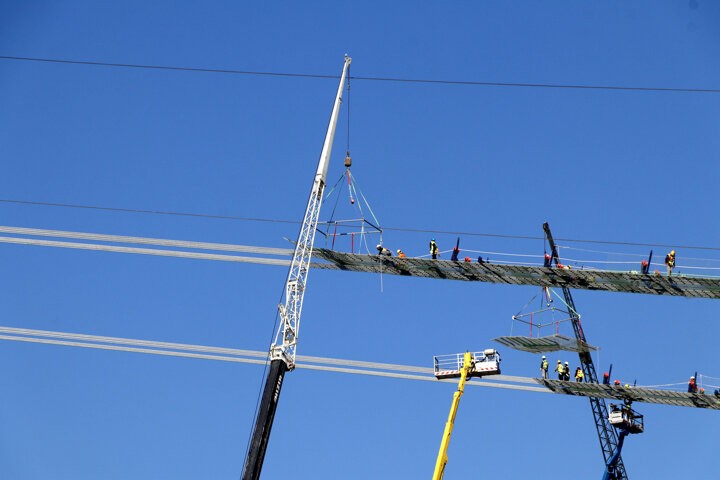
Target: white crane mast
[(285, 343)]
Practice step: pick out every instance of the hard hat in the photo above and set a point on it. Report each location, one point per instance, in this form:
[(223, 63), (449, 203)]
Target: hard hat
[(399, 250), (379, 247), (672, 252), (566, 363), (543, 357), (432, 239), (559, 361), (692, 378)]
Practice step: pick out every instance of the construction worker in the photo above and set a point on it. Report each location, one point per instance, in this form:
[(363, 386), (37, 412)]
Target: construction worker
[(433, 249), (544, 368), (400, 253), (692, 386), (456, 252), (566, 371), (579, 375), (628, 413), (547, 260), (644, 267), (606, 378), (670, 262), (383, 251), (560, 371)]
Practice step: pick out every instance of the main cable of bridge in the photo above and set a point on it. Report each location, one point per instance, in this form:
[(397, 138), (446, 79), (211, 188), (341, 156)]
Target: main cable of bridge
[(224, 354), (23, 236), (640, 393), (430, 231)]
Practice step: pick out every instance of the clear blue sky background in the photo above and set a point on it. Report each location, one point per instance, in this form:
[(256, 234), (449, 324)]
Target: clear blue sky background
[(596, 164)]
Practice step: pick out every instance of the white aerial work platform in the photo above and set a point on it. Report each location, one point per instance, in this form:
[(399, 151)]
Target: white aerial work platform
[(625, 418), (484, 363)]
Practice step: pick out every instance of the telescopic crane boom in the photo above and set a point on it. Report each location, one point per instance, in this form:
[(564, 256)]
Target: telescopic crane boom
[(282, 351)]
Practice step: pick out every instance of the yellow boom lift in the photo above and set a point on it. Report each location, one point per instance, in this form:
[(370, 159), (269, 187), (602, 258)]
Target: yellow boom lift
[(467, 365)]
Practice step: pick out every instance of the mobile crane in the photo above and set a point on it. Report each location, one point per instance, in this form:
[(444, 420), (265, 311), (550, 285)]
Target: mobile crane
[(282, 351), (465, 366)]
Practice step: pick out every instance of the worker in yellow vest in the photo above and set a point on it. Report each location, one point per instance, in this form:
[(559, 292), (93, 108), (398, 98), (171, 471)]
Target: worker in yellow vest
[(433, 249), (670, 262), (579, 375), (544, 367), (560, 370)]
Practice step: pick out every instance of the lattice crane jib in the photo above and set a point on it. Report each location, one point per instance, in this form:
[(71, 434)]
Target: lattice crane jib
[(606, 434), (283, 349), (285, 342)]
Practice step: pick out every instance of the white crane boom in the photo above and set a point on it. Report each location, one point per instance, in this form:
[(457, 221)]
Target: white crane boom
[(286, 339), (282, 351)]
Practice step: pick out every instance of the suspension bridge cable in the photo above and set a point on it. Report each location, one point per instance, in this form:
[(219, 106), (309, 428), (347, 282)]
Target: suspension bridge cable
[(226, 247), (226, 354), (136, 210), (144, 240), (367, 78), (146, 251), (212, 353), (397, 229)]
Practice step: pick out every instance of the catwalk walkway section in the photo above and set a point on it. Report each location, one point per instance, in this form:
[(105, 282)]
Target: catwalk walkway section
[(636, 394), (611, 281)]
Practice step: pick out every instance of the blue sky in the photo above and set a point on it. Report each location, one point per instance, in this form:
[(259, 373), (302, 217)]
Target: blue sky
[(597, 164)]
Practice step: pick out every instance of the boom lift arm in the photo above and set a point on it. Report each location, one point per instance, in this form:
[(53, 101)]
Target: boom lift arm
[(627, 421), (442, 457), (464, 366), (606, 434), (282, 352), (611, 468)]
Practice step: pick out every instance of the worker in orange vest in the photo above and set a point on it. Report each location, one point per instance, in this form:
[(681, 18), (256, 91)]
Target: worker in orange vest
[(547, 260), (644, 267), (400, 253)]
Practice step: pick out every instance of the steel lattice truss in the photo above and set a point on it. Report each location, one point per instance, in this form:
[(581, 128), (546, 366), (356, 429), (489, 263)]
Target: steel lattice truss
[(612, 281)]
